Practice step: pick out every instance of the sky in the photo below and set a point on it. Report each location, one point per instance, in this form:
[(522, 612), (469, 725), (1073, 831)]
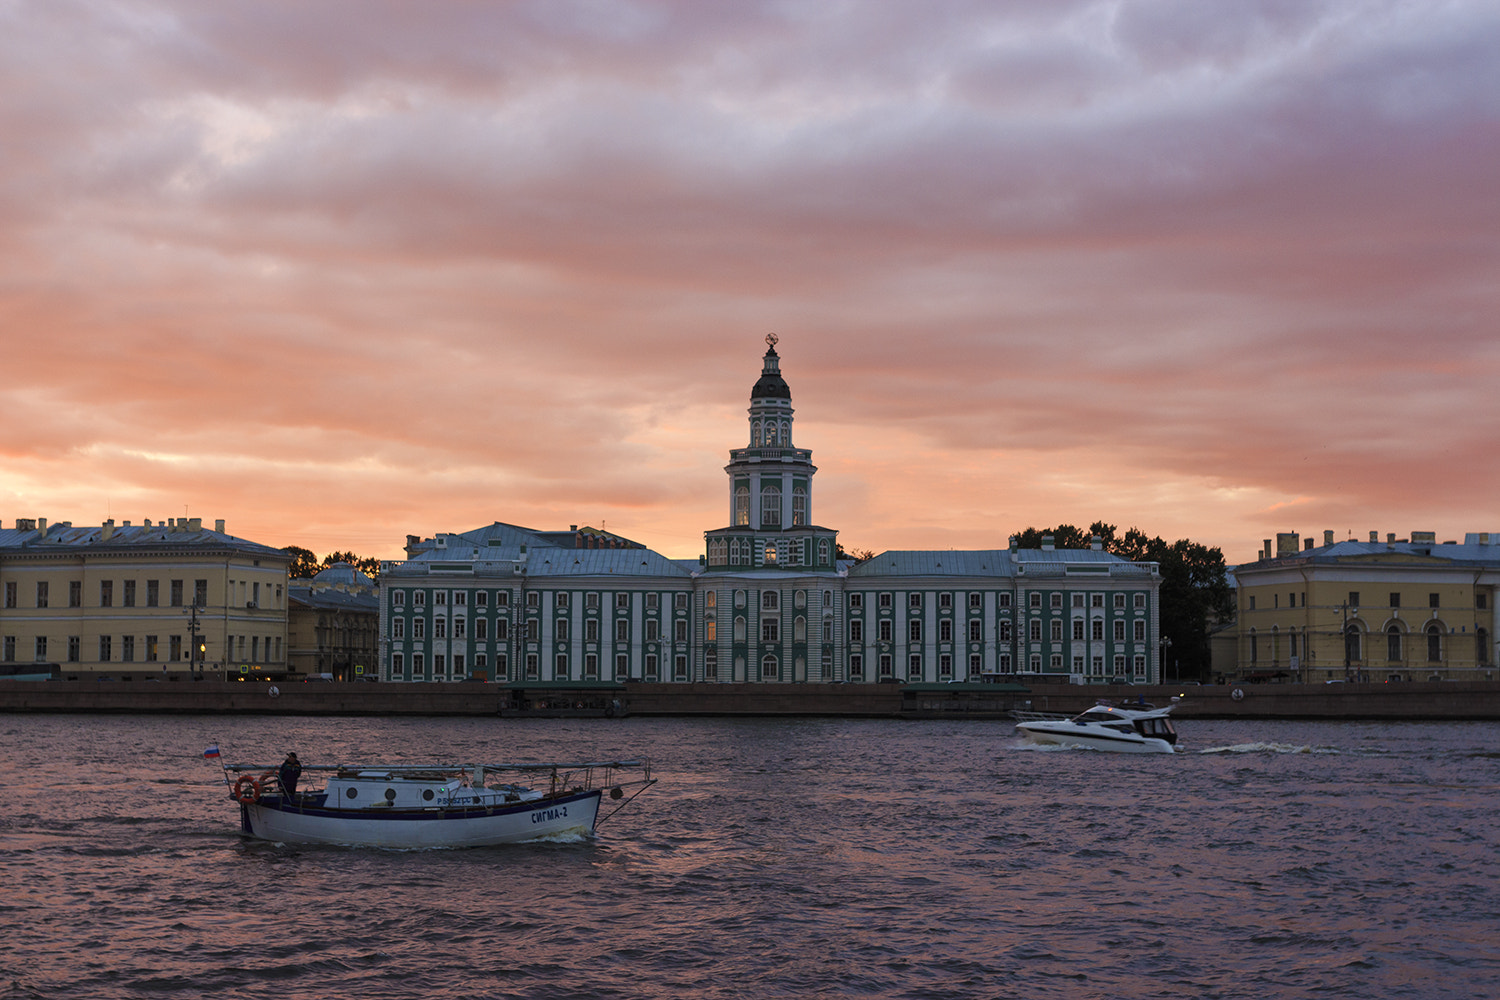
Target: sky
[(345, 271)]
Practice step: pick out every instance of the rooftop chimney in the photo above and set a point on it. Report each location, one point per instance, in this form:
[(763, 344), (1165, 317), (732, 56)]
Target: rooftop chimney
[(1265, 552), (1307, 544), (1374, 536), (1328, 537), (219, 525)]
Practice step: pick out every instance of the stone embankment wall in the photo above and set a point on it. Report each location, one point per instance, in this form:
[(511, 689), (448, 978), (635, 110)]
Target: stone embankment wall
[(1421, 700)]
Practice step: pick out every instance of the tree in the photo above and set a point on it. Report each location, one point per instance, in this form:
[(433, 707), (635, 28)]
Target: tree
[(305, 565), (1195, 592), (858, 555)]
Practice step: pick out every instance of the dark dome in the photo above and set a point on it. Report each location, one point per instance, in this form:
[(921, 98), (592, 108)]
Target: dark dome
[(771, 385)]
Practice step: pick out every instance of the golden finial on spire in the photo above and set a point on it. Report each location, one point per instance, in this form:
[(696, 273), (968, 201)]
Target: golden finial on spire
[(772, 340)]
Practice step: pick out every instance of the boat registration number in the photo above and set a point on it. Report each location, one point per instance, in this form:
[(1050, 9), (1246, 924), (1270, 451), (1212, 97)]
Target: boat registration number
[(548, 815)]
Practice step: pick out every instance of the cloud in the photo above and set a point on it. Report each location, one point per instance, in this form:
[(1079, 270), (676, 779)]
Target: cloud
[(346, 271)]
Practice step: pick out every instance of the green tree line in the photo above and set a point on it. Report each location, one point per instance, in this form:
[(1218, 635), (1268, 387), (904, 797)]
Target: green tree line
[(305, 565)]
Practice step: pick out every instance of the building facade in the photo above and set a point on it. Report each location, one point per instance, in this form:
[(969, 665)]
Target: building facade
[(768, 602), (1392, 610), (333, 625), (140, 601)]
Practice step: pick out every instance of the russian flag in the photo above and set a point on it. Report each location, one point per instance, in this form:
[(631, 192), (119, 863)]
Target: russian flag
[(212, 751)]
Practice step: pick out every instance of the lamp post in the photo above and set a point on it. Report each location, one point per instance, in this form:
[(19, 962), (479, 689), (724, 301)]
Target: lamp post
[(194, 661), (1344, 635)]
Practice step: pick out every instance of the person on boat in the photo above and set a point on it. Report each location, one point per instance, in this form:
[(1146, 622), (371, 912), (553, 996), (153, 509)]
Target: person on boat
[(291, 770)]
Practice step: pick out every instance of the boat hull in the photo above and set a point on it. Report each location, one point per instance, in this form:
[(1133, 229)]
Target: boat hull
[(1066, 734), (308, 821)]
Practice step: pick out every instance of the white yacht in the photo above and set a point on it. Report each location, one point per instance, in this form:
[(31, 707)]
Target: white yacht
[(1141, 729)]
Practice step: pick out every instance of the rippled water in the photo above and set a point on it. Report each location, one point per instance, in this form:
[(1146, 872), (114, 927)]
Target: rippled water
[(776, 858)]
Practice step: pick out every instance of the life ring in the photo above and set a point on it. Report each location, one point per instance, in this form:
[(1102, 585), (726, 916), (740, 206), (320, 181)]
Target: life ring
[(247, 790), (274, 692), (1237, 694)]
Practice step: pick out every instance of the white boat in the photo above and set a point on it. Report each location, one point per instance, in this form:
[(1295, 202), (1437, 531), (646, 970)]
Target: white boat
[(1142, 729), (432, 805)]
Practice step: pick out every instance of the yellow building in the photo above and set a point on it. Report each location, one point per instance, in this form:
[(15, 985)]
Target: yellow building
[(1392, 610), (136, 602), (333, 625)]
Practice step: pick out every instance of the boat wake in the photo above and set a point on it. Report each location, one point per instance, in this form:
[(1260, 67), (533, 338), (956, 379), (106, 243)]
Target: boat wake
[(1270, 748)]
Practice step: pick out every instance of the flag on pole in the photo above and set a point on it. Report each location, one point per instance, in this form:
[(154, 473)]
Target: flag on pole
[(212, 751)]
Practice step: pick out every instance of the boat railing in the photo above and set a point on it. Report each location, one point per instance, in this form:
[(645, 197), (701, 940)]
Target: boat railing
[(1021, 715)]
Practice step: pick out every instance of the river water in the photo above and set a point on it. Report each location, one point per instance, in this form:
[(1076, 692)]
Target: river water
[(776, 858)]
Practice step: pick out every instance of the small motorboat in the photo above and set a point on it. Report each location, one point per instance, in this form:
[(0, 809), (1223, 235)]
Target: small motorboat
[(409, 806), (1138, 729)]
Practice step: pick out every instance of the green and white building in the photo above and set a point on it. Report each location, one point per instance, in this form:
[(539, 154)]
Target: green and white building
[(768, 602)]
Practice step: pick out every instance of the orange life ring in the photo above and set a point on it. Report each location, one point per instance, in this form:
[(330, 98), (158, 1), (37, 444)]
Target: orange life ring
[(247, 790)]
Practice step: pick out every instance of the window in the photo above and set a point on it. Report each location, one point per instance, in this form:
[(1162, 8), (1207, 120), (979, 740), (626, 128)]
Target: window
[(398, 628), (976, 630), (1119, 630), (1004, 600), (679, 602), (1140, 630), (976, 600), (822, 552), (200, 593), (1395, 600), (42, 594), (481, 628), (742, 505), (127, 649), (1034, 599), (1354, 598), (622, 600), (1139, 600), (1481, 601), (153, 593), (799, 505), (914, 601), (1120, 601), (591, 630), (945, 630), (914, 666), (1096, 600), (591, 601), (533, 599), (885, 600), (710, 631), (914, 630), (418, 600), (622, 630), (856, 630), (1432, 601), (440, 627), (459, 628), (768, 666), (885, 630), (799, 629), (976, 664), (560, 667), (1097, 632), (1036, 630), (128, 598), (885, 665), (10, 594), (1078, 600), (945, 600), (106, 648), (1434, 643), (177, 593), (152, 647), (1057, 630), (858, 601), (560, 629), (1005, 632), (1055, 600), (770, 600), (533, 629), (40, 647), (481, 600), (1393, 644), (1481, 646), (770, 630), (1078, 629), (770, 506), (680, 630), (652, 630), (419, 628), (75, 593), (502, 600), (73, 649), (1251, 599), (9, 653), (502, 630)]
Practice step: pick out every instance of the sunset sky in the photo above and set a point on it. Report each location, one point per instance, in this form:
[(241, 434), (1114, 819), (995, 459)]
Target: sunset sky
[(338, 272)]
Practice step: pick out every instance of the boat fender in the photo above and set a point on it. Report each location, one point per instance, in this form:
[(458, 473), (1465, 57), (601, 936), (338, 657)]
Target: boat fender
[(617, 792), (1237, 694), (274, 692), (247, 790)]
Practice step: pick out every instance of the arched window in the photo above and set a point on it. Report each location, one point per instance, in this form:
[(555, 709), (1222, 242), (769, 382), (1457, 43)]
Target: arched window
[(770, 433), (739, 630), (742, 505), (1352, 644), (770, 506), (768, 666), (799, 629), (822, 552), (755, 434), (1434, 644), (1393, 644), (799, 505)]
